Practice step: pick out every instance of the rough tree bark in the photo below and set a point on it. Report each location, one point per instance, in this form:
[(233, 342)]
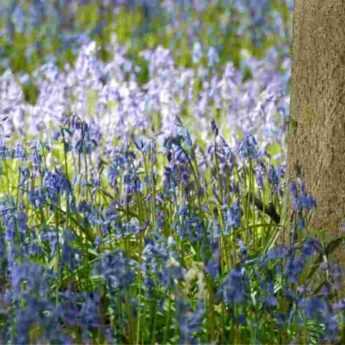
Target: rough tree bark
[(316, 139)]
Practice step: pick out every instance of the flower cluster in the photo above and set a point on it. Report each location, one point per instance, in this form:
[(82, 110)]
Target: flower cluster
[(142, 200), (158, 239)]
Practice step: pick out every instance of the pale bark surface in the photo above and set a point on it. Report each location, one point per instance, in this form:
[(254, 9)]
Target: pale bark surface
[(316, 140)]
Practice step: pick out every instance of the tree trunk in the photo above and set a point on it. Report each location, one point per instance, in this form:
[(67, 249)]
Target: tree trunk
[(316, 139)]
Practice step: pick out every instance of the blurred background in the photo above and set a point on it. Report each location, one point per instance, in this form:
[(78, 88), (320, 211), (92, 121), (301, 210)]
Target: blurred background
[(200, 60), (33, 32)]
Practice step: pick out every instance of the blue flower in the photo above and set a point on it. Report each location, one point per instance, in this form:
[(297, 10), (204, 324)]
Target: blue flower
[(248, 147), (274, 176), (70, 256), (19, 152), (90, 310), (116, 269), (318, 308), (4, 152), (56, 183), (235, 288), (213, 265), (232, 217), (294, 267), (24, 176), (189, 321), (260, 171), (116, 168), (37, 197), (132, 183), (315, 308), (277, 252), (300, 199), (311, 246)]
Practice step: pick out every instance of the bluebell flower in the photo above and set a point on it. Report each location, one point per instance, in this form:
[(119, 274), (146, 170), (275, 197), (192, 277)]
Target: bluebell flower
[(36, 156), (190, 321), (10, 223), (274, 176), (155, 256), (260, 172), (116, 168), (132, 183), (194, 228), (69, 308), (4, 152), (277, 252), (189, 226), (300, 199), (248, 147), (311, 246), (180, 139), (19, 152), (37, 197), (235, 288), (55, 183), (214, 128), (315, 308), (331, 328), (24, 176), (85, 145), (131, 228), (307, 202), (28, 278), (213, 264), (232, 217), (300, 222), (70, 256), (318, 308), (266, 293), (116, 269), (22, 220), (90, 311), (24, 323), (172, 272), (294, 267), (143, 144), (92, 214)]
